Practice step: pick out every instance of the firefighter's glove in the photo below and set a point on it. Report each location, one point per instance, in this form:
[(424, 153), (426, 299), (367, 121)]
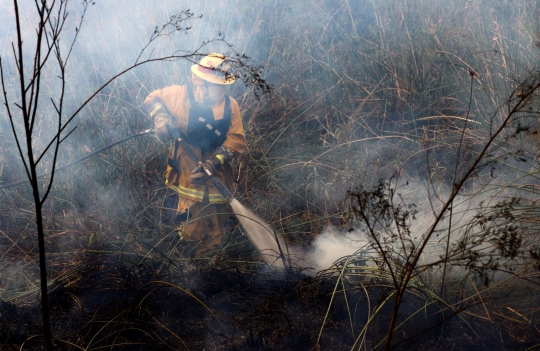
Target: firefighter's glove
[(221, 156), (160, 127), (161, 117), (198, 176)]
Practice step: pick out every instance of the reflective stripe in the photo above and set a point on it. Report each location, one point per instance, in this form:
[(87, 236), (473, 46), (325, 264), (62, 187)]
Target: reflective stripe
[(217, 132), (197, 194), (202, 119), (188, 191), (216, 197), (209, 126), (220, 158), (158, 106)]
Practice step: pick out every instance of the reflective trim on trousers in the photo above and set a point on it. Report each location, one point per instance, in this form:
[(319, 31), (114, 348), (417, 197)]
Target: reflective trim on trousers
[(198, 195)]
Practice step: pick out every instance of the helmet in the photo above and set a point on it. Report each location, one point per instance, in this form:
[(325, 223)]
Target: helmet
[(213, 68)]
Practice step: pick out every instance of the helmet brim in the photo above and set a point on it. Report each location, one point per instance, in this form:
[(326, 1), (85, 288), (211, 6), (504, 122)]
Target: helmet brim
[(209, 75)]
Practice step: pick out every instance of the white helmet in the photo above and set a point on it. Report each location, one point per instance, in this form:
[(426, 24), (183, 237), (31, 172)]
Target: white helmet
[(213, 68)]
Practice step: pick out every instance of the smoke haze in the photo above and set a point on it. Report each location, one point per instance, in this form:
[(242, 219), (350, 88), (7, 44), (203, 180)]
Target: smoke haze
[(334, 136), (362, 91)]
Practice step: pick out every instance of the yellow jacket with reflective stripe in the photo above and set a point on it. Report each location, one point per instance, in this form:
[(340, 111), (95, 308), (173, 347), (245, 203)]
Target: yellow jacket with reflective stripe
[(176, 100)]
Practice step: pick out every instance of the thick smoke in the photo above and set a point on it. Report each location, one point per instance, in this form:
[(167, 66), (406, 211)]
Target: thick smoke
[(331, 245)]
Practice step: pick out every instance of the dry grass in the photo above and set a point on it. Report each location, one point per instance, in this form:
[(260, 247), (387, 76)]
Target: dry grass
[(362, 91)]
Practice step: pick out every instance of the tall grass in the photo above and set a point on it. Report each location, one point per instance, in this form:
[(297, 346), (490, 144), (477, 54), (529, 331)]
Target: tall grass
[(362, 91)]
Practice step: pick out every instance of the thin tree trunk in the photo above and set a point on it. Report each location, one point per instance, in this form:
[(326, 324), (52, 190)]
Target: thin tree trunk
[(43, 273), (41, 245)]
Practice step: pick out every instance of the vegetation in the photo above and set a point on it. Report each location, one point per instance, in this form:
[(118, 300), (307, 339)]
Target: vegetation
[(411, 124)]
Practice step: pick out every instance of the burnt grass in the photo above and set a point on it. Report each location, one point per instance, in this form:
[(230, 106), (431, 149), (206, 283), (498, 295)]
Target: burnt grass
[(111, 299)]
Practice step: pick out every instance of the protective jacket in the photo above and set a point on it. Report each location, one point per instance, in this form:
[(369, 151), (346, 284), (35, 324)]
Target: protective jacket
[(205, 129)]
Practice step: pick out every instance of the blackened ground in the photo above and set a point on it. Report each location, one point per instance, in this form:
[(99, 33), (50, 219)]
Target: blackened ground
[(115, 299)]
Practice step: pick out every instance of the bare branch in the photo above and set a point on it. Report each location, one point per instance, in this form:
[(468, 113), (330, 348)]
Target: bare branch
[(11, 120), (175, 22), (410, 270)]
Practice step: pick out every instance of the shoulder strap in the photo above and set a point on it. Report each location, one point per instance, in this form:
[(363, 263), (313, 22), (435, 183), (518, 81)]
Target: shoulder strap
[(227, 112), (190, 93)]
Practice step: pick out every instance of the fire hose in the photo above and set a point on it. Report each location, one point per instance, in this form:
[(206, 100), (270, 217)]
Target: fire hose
[(175, 134), (144, 132)]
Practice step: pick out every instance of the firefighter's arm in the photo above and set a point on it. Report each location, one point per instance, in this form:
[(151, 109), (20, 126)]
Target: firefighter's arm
[(168, 105), (157, 111), (236, 139), (234, 144)]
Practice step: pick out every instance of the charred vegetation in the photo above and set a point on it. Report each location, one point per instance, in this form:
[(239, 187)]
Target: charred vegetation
[(400, 136)]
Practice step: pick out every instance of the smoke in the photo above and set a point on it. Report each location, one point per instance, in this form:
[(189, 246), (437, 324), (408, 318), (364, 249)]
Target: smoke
[(328, 247), (331, 245), (363, 91), (340, 114)]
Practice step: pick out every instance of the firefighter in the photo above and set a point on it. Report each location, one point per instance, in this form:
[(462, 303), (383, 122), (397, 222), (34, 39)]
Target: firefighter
[(211, 123)]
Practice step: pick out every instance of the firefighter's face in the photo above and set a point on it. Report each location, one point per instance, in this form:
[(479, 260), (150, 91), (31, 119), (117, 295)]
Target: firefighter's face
[(216, 92), (197, 81), (207, 93)]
